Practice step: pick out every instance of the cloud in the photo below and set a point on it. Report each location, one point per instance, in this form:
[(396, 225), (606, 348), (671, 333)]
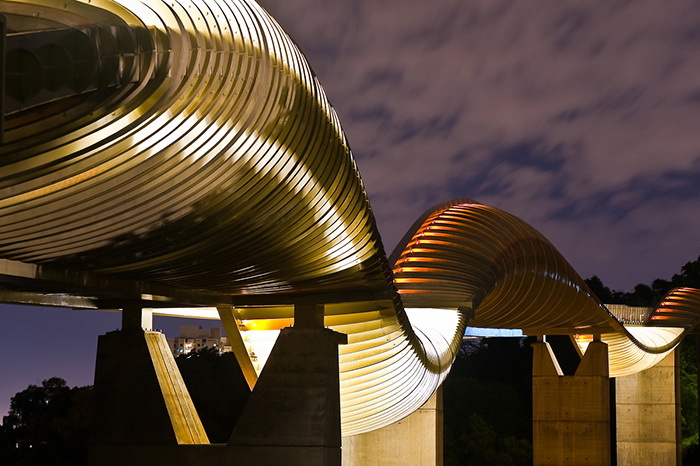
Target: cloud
[(579, 117)]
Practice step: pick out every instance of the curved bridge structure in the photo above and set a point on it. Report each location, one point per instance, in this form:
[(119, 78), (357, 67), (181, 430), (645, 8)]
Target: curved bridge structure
[(182, 153)]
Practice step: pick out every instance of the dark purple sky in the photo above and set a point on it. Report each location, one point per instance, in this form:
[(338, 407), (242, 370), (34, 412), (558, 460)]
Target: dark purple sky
[(37, 343), (581, 118)]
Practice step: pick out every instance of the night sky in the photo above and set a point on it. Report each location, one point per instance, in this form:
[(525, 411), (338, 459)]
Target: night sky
[(581, 118)]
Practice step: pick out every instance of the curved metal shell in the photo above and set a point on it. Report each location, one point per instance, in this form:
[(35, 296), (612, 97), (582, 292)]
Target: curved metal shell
[(219, 165), (202, 153), (464, 252), (216, 163), (467, 253)]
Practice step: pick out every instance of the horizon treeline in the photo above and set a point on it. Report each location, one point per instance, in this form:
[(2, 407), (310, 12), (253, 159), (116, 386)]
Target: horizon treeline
[(647, 294)]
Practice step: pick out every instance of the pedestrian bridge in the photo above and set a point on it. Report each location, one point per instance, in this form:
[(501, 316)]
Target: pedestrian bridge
[(181, 156)]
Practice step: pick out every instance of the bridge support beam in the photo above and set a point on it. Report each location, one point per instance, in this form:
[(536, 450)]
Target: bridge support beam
[(648, 415), (140, 397), (414, 440), (571, 414), (293, 414)]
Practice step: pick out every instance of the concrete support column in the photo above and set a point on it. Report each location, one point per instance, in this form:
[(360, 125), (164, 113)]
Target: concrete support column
[(571, 414), (309, 315), (136, 318), (237, 345), (648, 415), (415, 440), (140, 400), (293, 413)]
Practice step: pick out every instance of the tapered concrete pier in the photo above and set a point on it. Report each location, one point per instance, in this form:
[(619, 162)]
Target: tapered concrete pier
[(648, 413), (571, 414), (416, 440)]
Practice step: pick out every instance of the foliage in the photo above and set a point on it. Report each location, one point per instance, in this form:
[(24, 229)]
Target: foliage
[(480, 444), (689, 388), (217, 387), (650, 295), (489, 387), (47, 425), (603, 293), (647, 295)]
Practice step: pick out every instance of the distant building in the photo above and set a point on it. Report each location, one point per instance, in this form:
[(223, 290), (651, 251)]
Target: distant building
[(196, 337)]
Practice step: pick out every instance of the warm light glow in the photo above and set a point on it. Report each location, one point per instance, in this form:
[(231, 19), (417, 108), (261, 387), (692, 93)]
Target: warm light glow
[(218, 168), (190, 312), (259, 344), (625, 355)]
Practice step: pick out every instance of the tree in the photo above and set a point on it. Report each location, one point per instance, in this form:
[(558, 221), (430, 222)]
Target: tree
[(47, 425), (660, 288), (603, 293), (646, 295), (642, 295), (689, 389), (689, 276), (488, 403), (217, 387)]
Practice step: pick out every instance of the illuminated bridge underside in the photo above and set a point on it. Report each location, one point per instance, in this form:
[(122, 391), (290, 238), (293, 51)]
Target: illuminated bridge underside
[(210, 164)]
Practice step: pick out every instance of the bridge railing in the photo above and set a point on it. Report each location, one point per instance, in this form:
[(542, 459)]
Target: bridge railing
[(631, 315)]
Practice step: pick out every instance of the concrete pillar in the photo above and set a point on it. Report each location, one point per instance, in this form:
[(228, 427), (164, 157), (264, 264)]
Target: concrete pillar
[(293, 414), (140, 399), (136, 318), (571, 414), (309, 315), (648, 415), (415, 440)]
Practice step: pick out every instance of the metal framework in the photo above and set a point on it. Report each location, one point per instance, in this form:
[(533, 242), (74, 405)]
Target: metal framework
[(182, 153)]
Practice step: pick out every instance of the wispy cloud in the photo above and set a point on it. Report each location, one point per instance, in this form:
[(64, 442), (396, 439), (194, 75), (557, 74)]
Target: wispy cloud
[(579, 117)]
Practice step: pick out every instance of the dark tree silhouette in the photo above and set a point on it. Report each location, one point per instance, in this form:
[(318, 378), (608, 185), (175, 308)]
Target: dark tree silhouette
[(603, 293), (47, 425), (488, 403), (217, 387), (651, 295), (689, 276), (647, 295)]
